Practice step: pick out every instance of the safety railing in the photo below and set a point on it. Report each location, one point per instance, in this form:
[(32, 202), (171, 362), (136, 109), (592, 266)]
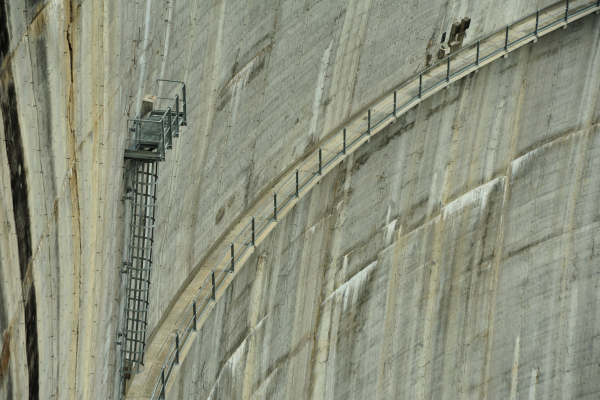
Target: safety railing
[(333, 149), (151, 136)]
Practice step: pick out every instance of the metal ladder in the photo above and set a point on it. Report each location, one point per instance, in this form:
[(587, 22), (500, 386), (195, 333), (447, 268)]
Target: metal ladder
[(139, 265)]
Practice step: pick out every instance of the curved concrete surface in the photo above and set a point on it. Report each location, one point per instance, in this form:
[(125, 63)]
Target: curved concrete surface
[(72, 72), (169, 344), (455, 256)]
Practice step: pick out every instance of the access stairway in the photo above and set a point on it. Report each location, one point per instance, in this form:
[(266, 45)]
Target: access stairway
[(149, 139)]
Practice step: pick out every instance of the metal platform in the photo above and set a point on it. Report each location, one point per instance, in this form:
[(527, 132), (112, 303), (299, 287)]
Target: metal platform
[(148, 140), (151, 135)]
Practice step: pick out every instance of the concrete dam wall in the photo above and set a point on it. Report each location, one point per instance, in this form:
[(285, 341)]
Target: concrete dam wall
[(453, 256)]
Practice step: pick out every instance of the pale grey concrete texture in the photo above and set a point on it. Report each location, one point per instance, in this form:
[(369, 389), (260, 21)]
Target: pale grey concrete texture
[(453, 257), (266, 80)]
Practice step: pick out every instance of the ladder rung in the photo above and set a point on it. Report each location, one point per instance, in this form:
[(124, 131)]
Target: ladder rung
[(137, 290), (143, 237), (138, 258), (143, 226), (144, 216), (133, 331), (135, 269), (141, 280)]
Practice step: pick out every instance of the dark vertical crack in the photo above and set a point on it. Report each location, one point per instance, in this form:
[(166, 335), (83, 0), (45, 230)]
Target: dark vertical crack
[(72, 11), (18, 184)]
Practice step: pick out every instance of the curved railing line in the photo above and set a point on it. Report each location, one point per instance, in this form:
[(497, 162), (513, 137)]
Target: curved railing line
[(310, 170)]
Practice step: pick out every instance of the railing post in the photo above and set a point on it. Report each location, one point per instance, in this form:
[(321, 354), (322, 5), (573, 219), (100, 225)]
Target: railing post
[(194, 309), (184, 122), (448, 70), (567, 11), (232, 268), (275, 206), (170, 124), (177, 115), (395, 95), (537, 22), (477, 56), (176, 347), (162, 383), (420, 85), (320, 161), (369, 122), (163, 151), (214, 287), (344, 142), (297, 183), (506, 39), (253, 233)]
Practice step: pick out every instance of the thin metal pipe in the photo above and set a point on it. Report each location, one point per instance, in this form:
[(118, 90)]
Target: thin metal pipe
[(194, 310), (232, 269), (162, 379), (395, 94), (297, 183), (321, 161), (344, 143), (253, 233), (177, 347), (448, 70), (537, 22), (214, 289), (420, 85), (184, 122), (275, 206), (477, 56), (177, 116), (506, 39)]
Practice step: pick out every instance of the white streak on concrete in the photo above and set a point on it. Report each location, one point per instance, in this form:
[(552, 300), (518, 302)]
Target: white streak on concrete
[(389, 231), (515, 370), (167, 43), (238, 354), (319, 89), (143, 57), (478, 196), (517, 164), (533, 383), (237, 87), (349, 290)]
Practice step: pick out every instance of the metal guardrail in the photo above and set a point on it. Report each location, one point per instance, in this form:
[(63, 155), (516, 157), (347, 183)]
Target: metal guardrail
[(150, 137), (333, 149)]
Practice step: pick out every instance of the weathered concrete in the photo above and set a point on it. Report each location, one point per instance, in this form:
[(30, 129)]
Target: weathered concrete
[(452, 257), (270, 78)]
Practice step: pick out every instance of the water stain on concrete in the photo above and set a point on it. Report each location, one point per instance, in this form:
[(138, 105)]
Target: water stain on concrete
[(18, 183)]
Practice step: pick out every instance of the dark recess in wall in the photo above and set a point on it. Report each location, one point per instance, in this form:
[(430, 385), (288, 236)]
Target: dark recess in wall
[(18, 184)]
